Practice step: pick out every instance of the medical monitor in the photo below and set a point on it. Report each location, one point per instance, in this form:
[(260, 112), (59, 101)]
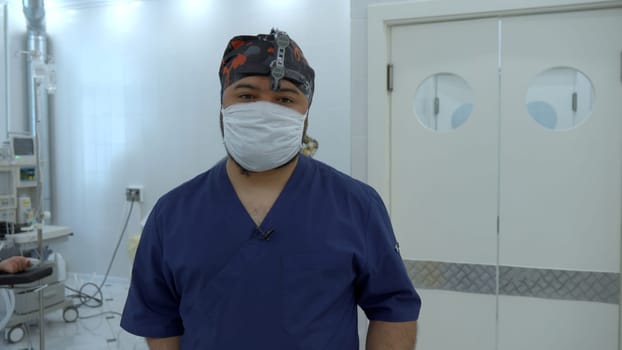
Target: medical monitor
[(23, 148), (7, 188)]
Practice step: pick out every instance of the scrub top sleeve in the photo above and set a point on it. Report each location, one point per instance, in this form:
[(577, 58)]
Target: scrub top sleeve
[(152, 306), (384, 290)]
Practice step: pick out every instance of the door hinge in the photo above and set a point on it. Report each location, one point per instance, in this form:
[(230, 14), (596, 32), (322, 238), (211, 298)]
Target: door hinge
[(389, 77), (498, 224)]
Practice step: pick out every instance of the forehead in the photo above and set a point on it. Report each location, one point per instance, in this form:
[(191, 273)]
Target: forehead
[(263, 83)]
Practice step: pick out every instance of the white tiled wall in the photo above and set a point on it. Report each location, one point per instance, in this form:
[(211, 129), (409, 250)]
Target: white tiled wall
[(137, 101), (2, 72), (359, 98), (16, 25)]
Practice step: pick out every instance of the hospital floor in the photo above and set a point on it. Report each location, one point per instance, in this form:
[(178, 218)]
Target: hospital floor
[(96, 329), (101, 332)]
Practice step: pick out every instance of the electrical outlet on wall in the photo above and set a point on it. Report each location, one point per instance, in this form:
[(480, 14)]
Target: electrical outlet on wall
[(134, 194)]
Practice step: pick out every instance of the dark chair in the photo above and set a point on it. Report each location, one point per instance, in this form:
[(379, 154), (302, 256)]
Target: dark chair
[(10, 280)]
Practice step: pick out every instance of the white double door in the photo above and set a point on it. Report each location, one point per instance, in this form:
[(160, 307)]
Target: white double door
[(502, 189)]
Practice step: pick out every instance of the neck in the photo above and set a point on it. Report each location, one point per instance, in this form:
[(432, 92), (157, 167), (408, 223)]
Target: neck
[(273, 177)]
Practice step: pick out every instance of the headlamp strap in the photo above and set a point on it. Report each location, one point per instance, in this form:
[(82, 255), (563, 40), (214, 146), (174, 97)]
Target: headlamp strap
[(277, 67)]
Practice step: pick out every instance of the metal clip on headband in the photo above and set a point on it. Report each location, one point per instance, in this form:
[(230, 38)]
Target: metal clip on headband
[(277, 67)]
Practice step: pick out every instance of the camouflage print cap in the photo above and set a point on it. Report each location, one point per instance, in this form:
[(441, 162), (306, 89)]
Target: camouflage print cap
[(274, 55)]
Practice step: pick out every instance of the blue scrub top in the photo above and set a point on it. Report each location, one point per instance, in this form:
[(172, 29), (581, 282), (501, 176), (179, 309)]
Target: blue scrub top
[(205, 272)]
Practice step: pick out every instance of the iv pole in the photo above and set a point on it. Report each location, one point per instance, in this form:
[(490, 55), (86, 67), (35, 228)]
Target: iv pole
[(39, 215)]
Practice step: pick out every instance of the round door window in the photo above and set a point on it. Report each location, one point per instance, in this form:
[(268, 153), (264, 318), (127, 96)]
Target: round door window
[(560, 98), (443, 102)]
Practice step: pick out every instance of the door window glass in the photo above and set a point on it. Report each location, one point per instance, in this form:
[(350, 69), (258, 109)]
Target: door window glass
[(560, 98), (443, 102)]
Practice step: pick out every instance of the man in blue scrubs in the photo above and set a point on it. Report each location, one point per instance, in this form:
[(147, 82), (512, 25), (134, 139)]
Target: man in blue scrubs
[(269, 249)]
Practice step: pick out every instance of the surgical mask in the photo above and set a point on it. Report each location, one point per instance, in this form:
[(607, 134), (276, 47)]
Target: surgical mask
[(262, 135)]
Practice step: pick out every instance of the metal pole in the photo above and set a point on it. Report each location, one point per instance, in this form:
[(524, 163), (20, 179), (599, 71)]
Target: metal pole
[(7, 94), (39, 211), (41, 320)]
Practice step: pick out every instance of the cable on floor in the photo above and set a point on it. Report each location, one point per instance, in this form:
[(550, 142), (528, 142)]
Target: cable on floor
[(96, 298)]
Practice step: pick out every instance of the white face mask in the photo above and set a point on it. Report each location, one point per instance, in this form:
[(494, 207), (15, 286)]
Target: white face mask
[(262, 135)]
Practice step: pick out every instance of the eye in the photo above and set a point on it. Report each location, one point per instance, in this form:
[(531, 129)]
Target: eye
[(246, 97), (285, 100)]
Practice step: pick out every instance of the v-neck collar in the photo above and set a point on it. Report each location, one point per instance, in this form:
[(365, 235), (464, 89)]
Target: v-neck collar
[(288, 190)]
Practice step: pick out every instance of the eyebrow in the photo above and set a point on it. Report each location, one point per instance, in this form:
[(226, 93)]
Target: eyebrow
[(245, 86), (253, 87)]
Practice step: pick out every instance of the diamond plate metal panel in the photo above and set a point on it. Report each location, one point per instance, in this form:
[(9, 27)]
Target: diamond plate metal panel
[(516, 281), (560, 284), (468, 278)]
